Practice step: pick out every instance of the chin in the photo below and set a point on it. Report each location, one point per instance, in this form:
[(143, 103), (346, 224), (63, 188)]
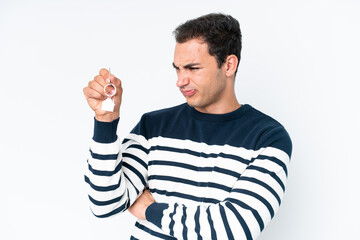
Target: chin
[(191, 103), (197, 102), (194, 104)]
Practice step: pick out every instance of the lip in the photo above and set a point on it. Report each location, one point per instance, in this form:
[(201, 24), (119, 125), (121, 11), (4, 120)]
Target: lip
[(188, 93)]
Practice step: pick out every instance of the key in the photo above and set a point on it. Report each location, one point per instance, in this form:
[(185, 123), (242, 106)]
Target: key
[(108, 104)]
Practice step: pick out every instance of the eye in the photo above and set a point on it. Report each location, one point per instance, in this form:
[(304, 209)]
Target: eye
[(194, 68)]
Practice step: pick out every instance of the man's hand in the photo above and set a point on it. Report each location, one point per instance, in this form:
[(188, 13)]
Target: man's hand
[(139, 207), (94, 94)]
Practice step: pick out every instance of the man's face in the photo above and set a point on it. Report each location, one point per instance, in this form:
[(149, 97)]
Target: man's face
[(200, 80)]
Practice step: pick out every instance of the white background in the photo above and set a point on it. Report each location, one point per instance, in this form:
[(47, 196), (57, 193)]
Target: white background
[(300, 64)]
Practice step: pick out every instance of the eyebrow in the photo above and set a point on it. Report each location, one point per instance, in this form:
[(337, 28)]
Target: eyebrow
[(187, 66)]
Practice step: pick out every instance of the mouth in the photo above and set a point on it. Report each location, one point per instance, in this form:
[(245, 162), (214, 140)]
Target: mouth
[(188, 93)]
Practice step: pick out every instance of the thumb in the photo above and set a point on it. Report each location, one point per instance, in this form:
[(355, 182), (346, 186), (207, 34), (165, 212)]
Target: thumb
[(114, 80)]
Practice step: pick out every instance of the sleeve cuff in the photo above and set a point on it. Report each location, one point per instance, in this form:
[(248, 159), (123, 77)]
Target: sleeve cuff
[(105, 132), (154, 213)]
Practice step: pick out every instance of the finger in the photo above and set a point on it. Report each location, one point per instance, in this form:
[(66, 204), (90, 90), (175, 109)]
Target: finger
[(100, 80), (95, 86), (91, 93), (115, 81), (104, 73)]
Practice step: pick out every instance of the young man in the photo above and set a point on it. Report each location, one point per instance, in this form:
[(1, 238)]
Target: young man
[(210, 168)]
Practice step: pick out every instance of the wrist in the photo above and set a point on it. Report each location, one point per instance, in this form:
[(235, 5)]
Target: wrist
[(107, 117)]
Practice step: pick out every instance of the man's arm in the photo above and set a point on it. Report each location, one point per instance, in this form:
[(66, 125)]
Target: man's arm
[(115, 176), (249, 207)]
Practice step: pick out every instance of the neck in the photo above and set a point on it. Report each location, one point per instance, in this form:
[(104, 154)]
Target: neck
[(227, 103), (220, 109)]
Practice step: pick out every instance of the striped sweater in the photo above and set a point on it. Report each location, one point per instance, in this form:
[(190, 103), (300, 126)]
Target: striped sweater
[(213, 176)]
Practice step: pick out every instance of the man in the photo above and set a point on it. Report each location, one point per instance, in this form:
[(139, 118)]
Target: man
[(210, 168)]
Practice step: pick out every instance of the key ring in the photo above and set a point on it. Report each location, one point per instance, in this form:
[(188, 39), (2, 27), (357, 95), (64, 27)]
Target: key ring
[(110, 85)]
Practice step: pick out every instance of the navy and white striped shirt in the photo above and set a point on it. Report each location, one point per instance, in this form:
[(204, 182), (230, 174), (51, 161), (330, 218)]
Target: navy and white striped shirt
[(213, 176)]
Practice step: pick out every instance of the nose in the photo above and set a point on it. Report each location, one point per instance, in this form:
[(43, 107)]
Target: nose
[(183, 78)]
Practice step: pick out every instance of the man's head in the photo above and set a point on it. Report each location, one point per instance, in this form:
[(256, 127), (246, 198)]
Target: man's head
[(206, 58), (221, 33)]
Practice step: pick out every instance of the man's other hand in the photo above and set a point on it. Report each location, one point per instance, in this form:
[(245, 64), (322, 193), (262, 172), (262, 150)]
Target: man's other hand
[(139, 207)]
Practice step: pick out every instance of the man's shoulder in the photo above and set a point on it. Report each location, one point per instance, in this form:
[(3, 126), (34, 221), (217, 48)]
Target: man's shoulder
[(261, 118), (270, 131)]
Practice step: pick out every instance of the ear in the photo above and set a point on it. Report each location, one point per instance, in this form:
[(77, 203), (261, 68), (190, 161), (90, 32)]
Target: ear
[(231, 63)]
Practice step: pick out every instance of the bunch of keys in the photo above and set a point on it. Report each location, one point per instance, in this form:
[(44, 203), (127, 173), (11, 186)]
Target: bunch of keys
[(108, 104)]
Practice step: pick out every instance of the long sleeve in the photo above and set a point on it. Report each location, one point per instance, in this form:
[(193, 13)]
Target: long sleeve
[(116, 173), (249, 206)]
